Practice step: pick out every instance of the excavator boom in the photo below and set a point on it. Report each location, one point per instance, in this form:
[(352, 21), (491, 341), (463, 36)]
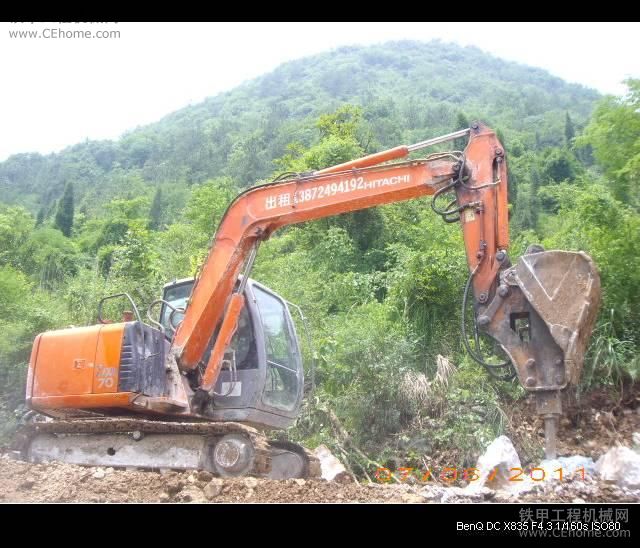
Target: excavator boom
[(258, 212)]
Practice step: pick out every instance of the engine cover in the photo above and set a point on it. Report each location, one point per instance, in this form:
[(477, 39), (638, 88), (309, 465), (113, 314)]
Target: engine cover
[(99, 366)]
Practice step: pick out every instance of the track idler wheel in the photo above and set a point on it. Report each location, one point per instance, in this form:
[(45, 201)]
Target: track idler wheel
[(233, 455)]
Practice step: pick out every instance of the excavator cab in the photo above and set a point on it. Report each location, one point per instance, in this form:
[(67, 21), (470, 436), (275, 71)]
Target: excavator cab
[(261, 380)]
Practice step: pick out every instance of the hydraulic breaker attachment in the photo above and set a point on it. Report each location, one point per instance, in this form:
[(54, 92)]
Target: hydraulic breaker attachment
[(542, 314)]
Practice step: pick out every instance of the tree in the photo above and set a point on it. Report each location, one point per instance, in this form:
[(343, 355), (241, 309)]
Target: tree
[(16, 224), (560, 165), (64, 214), (344, 123), (155, 215), (534, 202), (569, 129), (48, 257), (462, 122), (40, 218), (613, 133), (208, 203)]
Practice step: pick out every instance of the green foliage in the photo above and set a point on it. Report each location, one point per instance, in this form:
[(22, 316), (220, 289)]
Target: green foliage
[(208, 203), (559, 165), (569, 129), (155, 215), (614, 135), (612, 359), (48, 257), (462, 122), (25, 311), (591, 219), (64, 215), (15, 226), (472, 416), (343, 123), (40, 217)]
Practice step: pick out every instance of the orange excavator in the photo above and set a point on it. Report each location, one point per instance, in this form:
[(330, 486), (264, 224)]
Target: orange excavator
[(200, 385)]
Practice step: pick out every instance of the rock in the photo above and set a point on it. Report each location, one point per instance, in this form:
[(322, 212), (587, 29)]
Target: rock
[(27, 484), (108, 470), (452, 494), (164, 497), (192, 494), (213, 488), (493, 468), (412, 499), (433, 493), (620, 465), (635, 438), (249, 494), (330, 467), (578, 500), (436, 493), (98, 474), (205, 476), (300, 481), (251, 483), (569, 466), (174, 487)]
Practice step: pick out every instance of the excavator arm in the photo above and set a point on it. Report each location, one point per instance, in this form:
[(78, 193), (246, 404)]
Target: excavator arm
[(257, 213), (541, 311)]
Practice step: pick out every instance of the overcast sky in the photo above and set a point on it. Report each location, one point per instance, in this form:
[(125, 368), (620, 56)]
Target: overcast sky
[(56, 92)]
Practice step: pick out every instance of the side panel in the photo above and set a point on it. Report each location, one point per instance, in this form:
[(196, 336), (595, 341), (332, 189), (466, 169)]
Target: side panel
[(64, 363), (76, 369)]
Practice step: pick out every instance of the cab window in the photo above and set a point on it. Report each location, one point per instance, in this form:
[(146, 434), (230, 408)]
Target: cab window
[(281, 388), (177, 296)]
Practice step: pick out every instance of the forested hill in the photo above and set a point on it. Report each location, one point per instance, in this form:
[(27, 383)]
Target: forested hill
[(408, 90)]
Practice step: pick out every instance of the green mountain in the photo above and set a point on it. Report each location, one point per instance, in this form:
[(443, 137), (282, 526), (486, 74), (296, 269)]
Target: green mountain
[(409, 91)]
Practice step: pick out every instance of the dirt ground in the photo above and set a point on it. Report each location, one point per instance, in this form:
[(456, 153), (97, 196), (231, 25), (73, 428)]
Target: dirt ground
[(589, 430), (57, 482), (589, 427)]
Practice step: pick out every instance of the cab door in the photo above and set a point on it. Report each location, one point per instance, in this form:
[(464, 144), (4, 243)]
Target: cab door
[(284, 376)]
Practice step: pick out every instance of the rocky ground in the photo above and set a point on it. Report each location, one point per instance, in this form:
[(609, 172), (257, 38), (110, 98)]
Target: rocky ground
[(56, 482), (590, 430)]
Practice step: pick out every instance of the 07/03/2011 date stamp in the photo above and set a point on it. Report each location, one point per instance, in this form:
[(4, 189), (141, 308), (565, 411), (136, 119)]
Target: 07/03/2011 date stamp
[(451, 474)]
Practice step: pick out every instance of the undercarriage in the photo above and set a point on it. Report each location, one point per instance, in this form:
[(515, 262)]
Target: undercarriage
[(224, 448)]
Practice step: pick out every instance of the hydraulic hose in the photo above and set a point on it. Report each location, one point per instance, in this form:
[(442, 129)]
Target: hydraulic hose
[(490, 368)]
